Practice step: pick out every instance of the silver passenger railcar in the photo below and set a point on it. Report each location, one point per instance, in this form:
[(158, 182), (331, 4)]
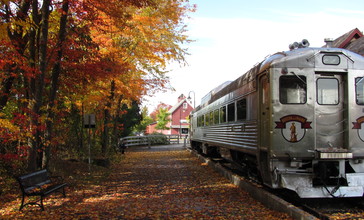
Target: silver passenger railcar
[(294, 120)]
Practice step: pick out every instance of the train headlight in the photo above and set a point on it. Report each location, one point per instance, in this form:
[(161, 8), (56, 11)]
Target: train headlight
[(331, 59)]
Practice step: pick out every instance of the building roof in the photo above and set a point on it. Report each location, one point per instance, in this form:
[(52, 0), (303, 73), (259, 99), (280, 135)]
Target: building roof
[(344, 40), (352, 40), (175, 107), (357, 46)]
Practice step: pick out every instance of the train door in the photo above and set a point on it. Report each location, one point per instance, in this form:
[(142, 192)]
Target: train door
[(264, 127), (330, 111)]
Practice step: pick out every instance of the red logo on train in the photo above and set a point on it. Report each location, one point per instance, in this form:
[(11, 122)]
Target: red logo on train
[(293, 127), (357, 125)]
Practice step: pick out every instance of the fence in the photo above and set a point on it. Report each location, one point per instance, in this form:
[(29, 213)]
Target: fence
[(150, 140)]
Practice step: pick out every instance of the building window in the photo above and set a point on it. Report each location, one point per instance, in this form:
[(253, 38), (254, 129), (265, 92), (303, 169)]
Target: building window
[(184, 131), (185, 105)]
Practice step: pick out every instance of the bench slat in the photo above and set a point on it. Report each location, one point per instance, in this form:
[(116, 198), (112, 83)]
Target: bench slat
[(53, 188)]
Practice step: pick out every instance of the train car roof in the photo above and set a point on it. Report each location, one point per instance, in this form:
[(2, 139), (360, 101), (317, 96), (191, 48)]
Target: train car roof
[(291, 58), (299, 57)]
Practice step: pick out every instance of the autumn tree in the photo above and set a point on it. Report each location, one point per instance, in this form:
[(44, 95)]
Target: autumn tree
[(27, 26), (69, 56), (139, 50)]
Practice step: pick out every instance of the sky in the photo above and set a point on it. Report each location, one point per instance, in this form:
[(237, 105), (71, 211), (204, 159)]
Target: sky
[(231, 36)]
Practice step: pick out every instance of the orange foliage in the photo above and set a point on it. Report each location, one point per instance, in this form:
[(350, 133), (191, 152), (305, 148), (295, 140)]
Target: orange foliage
[(128, 43)]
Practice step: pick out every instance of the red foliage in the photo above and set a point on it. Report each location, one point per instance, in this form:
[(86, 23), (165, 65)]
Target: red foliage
[(127, 42), (9, 156)]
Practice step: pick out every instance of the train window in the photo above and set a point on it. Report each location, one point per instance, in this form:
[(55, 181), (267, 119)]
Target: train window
[(292, 89), (212, 118), (327, 91), (216, 116), (207, 119), (200, 121), (223, 114), (231, 112), (331, 59), (241, 109), (359, 88)]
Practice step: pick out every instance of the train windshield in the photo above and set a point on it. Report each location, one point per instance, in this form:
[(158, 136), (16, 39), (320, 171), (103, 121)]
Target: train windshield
[(359, 88), (327, 91), (292, 89)]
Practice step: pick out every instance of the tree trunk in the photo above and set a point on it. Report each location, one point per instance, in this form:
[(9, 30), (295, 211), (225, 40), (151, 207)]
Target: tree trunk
[(116, 120), (37, 86), (106, 135), (33, 39), (54, 86)]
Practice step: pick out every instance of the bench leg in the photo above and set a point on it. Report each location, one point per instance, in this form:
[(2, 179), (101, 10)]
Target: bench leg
[(41, 203), (22, 203), (64, 192), (31, 203)]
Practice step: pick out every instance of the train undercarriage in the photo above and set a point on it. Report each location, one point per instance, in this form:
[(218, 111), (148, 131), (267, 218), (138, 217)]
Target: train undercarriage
[(308, 178)]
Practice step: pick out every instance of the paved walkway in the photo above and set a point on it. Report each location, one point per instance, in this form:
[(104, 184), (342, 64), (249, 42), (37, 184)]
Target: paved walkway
[(161, 182)]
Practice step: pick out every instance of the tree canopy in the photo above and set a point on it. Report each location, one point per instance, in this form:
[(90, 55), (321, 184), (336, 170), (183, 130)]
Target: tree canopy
[(62, 59), (162, 119)]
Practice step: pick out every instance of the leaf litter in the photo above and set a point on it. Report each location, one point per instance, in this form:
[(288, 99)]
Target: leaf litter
[(146, 185)]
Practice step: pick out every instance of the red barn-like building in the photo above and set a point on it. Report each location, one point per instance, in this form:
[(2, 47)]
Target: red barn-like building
[(179, 118)]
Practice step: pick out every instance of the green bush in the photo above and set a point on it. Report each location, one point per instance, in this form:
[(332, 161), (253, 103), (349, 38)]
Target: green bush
[(157, 138)]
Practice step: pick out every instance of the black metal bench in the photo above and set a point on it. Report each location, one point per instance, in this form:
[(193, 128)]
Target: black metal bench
[(40, 184)]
